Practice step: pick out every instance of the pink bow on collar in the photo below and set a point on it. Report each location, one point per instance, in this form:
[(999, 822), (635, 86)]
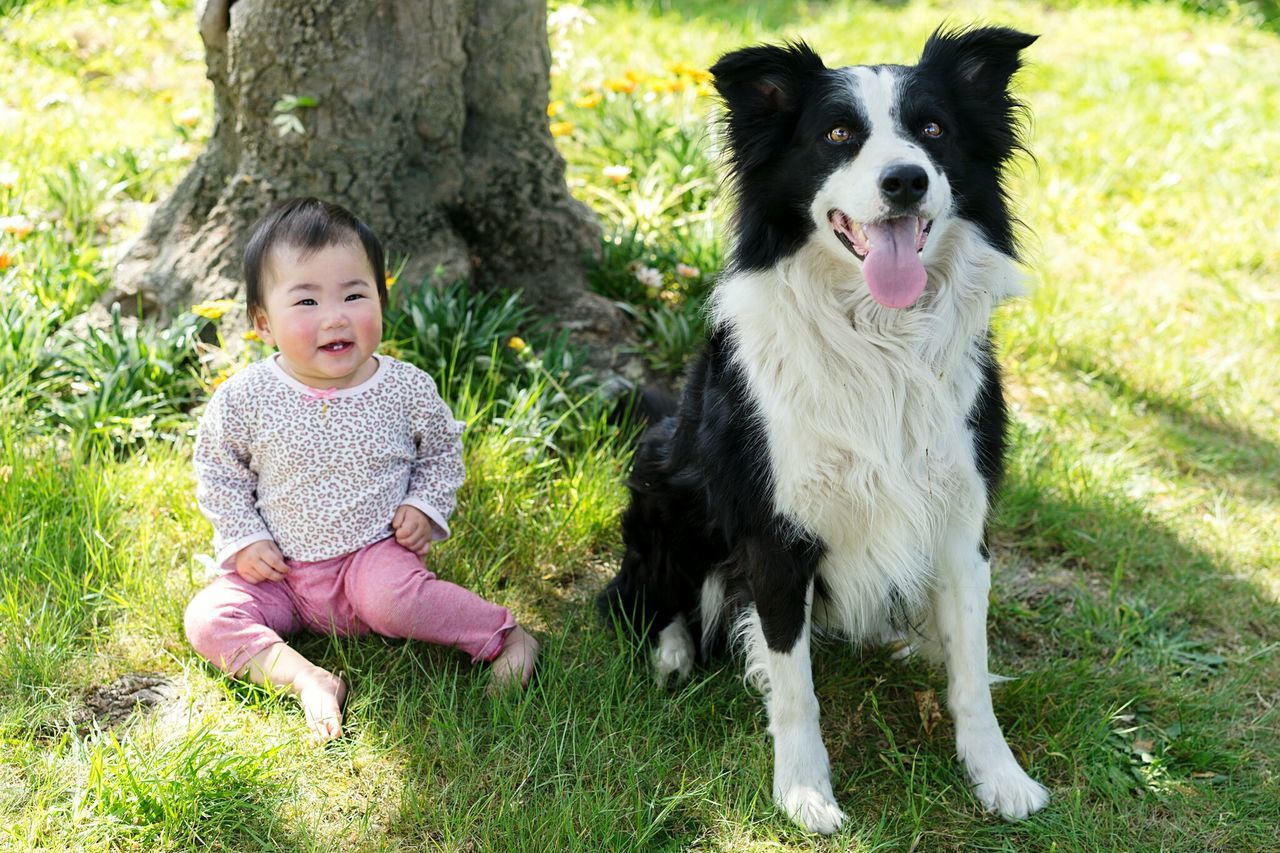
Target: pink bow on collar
[(318, 395)]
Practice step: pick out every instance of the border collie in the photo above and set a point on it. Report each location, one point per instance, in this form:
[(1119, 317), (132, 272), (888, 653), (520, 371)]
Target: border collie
[(830, 465)]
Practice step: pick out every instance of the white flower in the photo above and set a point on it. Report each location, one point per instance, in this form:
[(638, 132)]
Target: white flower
[(617, 174), (649, 277)]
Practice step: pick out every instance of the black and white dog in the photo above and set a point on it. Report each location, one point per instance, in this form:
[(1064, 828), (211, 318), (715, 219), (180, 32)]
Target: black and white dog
[(831, 462)]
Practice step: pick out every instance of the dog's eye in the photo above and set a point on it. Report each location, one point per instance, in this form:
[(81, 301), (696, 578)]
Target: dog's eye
[(839, 135), (933, 130)]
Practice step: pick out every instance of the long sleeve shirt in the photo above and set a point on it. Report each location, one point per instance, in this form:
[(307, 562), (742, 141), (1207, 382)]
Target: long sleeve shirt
[(322, 472)]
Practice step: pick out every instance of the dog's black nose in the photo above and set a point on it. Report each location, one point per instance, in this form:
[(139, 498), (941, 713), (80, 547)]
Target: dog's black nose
[(904, 184)]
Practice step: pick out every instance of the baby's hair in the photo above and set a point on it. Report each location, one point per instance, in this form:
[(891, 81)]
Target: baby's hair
[(307, 224)]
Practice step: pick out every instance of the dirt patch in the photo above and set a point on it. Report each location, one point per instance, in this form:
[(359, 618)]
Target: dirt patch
[(108, 705)]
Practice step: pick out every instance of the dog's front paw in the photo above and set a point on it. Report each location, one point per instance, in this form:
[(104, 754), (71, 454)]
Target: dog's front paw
[(811, 808), (1011, 793), (999, 782), (673, 654)]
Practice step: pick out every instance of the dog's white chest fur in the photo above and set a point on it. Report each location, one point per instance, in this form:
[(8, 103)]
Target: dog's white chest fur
[(865, 412)]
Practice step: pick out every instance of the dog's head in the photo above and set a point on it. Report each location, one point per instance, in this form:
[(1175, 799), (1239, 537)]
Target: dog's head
[(870, 161)]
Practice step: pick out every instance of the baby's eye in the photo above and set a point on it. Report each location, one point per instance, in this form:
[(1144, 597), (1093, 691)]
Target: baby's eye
[(308, 301), (351, 296)]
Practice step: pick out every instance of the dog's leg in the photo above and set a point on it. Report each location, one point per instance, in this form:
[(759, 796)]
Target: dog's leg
[(777, 633), (960, 611)]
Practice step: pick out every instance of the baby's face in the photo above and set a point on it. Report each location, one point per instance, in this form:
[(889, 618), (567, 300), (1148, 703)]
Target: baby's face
[(322, 313)]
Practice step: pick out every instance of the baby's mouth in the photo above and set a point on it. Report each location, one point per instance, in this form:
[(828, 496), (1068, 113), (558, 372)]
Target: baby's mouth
[(338, 346)]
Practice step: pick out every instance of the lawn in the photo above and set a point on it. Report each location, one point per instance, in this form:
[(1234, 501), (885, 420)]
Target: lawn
[(1137, 563)]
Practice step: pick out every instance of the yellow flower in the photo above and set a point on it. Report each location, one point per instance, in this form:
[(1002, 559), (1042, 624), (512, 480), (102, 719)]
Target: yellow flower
[(223, 375), (555, 108), (251, 335), (664, 86), (213, 310), (589, 100), (391, 281), (5, 261), (626, 87), (18, 226), (561, 128), (517, 343)]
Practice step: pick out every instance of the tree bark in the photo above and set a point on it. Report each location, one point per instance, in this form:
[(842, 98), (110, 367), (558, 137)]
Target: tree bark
[(429, 123)]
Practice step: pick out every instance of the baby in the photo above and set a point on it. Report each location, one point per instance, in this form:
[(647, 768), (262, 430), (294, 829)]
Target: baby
[(328, 471)]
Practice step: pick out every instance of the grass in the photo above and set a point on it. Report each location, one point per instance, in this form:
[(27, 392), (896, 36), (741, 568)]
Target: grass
[(1137, 567)]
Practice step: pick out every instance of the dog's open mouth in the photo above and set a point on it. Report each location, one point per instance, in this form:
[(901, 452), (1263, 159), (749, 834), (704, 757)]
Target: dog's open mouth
[(890, 252)]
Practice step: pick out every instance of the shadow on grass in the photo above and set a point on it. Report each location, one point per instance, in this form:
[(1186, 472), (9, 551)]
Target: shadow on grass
[(1129, 704), (1145, 729), (1190, 438)]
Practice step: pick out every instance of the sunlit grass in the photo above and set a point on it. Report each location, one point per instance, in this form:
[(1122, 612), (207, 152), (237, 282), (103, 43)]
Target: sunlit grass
[(1137, 564)]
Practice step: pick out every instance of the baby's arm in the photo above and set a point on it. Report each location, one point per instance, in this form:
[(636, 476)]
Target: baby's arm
[(226, 486), (437, 470)]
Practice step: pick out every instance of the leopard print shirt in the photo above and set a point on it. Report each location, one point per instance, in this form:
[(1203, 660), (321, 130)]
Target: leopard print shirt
[(322, 473)]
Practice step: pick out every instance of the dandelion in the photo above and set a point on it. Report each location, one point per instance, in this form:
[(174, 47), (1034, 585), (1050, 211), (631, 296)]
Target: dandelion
[(617, 174), (561, 128), (18, 226), (693, 72), (251, 335), (686, 271), (214, 309), (6, 261), (589, 100), (625, 87), (223, 375), (517, 343), (391, 281), (555, 108), (649, 277), (8, 178)]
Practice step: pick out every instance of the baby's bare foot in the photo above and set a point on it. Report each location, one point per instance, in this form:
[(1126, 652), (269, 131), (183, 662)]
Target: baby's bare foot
[(514, 664), (321, 695)]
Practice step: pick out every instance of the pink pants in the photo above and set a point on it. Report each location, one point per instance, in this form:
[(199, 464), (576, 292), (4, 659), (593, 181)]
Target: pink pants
[(382, 588)]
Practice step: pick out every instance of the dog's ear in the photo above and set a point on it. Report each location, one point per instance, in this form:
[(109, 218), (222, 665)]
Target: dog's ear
[(764, 80), (761, 90), (980, 61)]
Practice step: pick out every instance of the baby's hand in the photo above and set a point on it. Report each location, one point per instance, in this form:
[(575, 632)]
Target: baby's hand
[(413, 529), (261, 561)]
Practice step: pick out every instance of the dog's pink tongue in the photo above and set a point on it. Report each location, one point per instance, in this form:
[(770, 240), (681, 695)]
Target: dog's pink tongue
[(893, 270)]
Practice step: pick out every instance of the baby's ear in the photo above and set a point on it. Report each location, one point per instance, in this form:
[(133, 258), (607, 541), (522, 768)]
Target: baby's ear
[(262, 326)]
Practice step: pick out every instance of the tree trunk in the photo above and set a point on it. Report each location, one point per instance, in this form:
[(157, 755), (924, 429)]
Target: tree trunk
[(429, 122)]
